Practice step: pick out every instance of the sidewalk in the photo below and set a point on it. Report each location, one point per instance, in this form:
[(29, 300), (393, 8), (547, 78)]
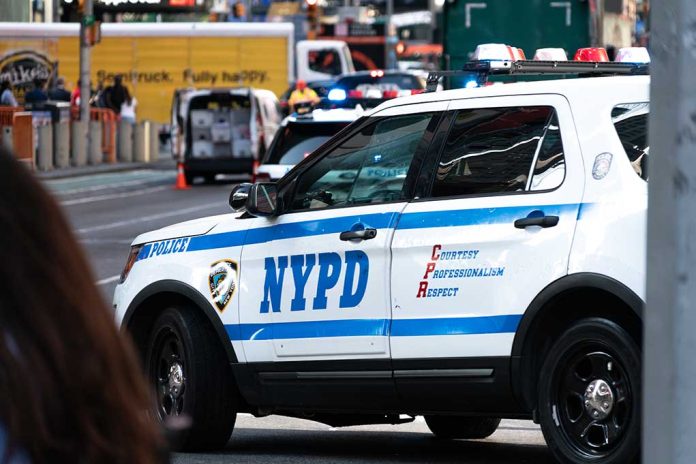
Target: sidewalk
[(164, 163)]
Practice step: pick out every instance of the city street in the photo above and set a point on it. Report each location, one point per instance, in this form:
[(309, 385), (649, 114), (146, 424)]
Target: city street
[(108, 210)]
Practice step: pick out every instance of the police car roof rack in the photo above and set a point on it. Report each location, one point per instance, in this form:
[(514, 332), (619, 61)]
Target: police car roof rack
[(483, 69)]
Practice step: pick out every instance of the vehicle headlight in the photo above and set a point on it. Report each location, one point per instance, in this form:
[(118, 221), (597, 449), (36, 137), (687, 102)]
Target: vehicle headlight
[(132, 258)]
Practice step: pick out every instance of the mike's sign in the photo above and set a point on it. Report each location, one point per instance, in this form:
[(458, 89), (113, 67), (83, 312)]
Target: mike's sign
[(21, 68)]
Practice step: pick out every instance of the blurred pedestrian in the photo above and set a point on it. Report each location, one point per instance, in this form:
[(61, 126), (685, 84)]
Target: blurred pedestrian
[(36, 97), (75, 95), (7, 98), (128, 108), (98, 96), (302, 95), (59, 92), (116, 94), (70, 387)]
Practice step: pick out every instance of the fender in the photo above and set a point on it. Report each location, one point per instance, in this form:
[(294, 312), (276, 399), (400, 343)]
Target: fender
[(582, 280), (179, 288)]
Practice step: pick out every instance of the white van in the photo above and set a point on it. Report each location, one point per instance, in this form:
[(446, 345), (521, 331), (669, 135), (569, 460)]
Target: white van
[(222, 131)]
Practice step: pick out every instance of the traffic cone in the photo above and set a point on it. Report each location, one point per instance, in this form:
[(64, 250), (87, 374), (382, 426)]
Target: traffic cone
[(180, 178)]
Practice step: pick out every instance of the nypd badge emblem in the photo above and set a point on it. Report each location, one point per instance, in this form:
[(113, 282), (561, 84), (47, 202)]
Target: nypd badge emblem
[(223, 282)]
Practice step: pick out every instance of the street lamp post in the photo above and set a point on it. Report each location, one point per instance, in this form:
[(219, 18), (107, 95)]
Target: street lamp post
[(85, 67), (669, 403)]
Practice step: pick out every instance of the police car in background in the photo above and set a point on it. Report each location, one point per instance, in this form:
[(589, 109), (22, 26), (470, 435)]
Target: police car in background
[(299, 136), (466, 255)]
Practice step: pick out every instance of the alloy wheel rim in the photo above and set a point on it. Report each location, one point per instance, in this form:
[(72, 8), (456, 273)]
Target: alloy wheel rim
[(593, 402), (168, 373)]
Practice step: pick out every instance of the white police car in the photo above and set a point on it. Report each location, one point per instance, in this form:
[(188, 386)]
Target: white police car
[(479, 254), (298, 136)]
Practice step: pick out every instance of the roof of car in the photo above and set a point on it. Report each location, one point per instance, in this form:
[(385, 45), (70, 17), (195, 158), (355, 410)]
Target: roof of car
[(332, 115), (385, 72), (587, 87)]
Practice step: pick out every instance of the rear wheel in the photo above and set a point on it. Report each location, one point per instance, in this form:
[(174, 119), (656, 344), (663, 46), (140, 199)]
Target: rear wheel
[(451, 427), (589, 395), (192, 380), (209, 178)]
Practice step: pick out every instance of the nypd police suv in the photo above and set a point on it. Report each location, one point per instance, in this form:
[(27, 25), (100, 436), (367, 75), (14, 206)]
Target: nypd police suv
[(466, 255)]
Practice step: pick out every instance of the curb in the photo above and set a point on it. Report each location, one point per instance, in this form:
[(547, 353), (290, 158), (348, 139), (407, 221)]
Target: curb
[(80, 171)]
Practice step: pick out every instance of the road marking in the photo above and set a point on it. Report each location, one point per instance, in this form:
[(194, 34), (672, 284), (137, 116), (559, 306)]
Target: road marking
[(108, 280), (113, 196), (568, 13), (141, 173), (153, 217), (467, 12), (96, 188)]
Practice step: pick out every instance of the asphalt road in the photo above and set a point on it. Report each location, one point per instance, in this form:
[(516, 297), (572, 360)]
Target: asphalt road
[(108, 210)]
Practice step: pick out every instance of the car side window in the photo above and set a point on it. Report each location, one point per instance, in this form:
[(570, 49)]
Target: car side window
[(325, 61), (368, 167), (497, 150), (631, 124)]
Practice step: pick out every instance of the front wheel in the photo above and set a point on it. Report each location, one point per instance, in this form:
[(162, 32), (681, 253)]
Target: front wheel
[(192, 380), (453, 427), (589, 395)]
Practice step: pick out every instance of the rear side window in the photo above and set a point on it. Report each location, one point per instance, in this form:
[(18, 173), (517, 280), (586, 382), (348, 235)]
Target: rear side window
[(498, 150), (631, 124)]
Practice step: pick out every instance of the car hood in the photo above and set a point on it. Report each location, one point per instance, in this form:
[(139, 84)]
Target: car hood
[(183, 229)]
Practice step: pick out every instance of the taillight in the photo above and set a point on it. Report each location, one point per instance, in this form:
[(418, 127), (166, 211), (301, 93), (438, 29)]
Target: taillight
[(254, 170), (132, 258)]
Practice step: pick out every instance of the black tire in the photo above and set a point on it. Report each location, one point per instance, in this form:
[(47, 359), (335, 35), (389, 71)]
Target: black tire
[(589, 395), (209, 178), (192, 380), (189, 176), (453, 427)]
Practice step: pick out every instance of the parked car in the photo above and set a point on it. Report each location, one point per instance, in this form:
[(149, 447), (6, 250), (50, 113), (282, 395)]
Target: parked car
[(299, 136), (370, 88), (222, 131)]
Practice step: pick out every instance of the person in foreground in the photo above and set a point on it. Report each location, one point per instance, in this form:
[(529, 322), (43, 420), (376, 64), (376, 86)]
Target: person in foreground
[(70, 385)]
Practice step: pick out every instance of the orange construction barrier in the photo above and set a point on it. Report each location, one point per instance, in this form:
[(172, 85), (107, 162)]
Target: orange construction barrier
[(22, 132), (108, 119), (6, 114), (23, 137)]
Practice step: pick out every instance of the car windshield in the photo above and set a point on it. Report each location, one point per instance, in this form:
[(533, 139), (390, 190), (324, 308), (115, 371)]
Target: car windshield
[(366, 82), (298, 139)]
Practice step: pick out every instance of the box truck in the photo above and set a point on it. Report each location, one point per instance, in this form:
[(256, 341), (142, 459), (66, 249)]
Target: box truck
[(158, 58)]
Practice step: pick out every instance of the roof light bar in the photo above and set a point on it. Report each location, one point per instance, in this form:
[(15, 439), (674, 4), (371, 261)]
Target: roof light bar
[(480, 70)]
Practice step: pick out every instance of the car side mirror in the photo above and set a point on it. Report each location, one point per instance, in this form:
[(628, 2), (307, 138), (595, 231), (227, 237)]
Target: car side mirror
[(263, 199), (239, 197)]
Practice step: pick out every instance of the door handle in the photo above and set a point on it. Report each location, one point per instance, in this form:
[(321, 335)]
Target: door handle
[(541, 221), (365, 234)]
